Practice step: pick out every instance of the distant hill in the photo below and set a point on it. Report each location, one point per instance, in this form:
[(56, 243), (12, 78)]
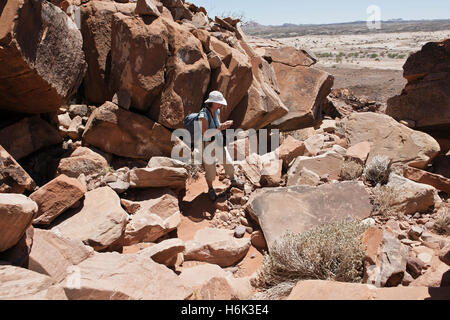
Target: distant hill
[(356, 27)]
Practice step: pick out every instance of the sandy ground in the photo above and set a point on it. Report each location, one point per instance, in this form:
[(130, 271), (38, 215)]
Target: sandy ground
[(376, 51)]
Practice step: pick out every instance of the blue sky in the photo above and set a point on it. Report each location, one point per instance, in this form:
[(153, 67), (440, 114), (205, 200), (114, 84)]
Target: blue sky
[(271, 12)]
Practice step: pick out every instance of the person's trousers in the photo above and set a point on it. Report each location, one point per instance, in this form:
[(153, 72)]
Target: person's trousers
[(226, 161)]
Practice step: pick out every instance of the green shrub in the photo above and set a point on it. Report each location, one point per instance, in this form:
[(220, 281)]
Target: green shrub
[(332, 251)]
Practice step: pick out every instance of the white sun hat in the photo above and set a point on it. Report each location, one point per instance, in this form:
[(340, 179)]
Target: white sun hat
[(216, 97)]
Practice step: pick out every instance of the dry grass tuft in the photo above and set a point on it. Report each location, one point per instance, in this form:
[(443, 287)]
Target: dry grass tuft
[(331, 251), (442, 223), (351, 170), (384, 197)]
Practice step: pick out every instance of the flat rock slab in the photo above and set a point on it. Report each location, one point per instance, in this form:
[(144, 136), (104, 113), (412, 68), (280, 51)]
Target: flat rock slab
[(331, 290), (165, 252), (216, 246), (22, 284), (100, 223), (112, 276), (199, 275), (53, 255), (56, 197), (16, 213), (158, 177), (308, 207)]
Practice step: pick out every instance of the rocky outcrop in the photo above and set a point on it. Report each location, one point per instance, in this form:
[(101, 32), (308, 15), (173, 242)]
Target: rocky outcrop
[(16, 214), (41, 56), (112, 276), (426, 98), (13, 178), (303, 91), (390, 138), (27, 136), (56, 197), (126, 134), (96, 22), (100, 223), (308, 207)]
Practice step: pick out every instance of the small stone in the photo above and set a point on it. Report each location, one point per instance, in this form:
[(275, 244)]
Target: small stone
[(407, 279), (239, 232), (429, 225), (249, 230), (425, 257), (369, 222), (415, 233), (404, 225), (417, 215), (243, 221)]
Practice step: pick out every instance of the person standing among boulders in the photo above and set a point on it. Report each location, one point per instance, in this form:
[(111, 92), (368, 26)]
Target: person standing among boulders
[(209, 117)]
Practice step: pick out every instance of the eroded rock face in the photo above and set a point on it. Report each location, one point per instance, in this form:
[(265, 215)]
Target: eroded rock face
[(56, 197), (426, 98), (390, 138), (27, 136), (126, 134), (303, 91), (96, 23), (308, 207), (13, 178), (112, 276), (100, 223), (41, 55), (16, 213), (216, 246)]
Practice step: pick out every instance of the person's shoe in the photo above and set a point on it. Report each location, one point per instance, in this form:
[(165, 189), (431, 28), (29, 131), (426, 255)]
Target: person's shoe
[(212, 194), (237, 183)]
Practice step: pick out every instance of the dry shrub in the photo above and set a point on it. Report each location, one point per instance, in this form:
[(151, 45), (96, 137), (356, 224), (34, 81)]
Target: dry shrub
[(384, 197), (194, 170), (378, 170), (351, 170), (331, 251), (442, 223)]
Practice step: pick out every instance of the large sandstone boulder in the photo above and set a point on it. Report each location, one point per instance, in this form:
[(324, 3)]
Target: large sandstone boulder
[(410, 197), (13, 178), (216, 246), (27, 136), (53, 255), (82, 161), (126, 134), (390, 138), (436, 180), (112, 276), (56, 197), (96, 24), (158, 177), (135, 66), (234, 76), (332, 290), (18, 255), (16, 214), (308, 207), (100, 223), (41, 55), (22, 284), (197, 276), (187, 77), (154, 214), (303, 91), (426, 98)]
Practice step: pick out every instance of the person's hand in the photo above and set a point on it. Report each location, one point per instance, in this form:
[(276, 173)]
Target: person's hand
[(226, 125)]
